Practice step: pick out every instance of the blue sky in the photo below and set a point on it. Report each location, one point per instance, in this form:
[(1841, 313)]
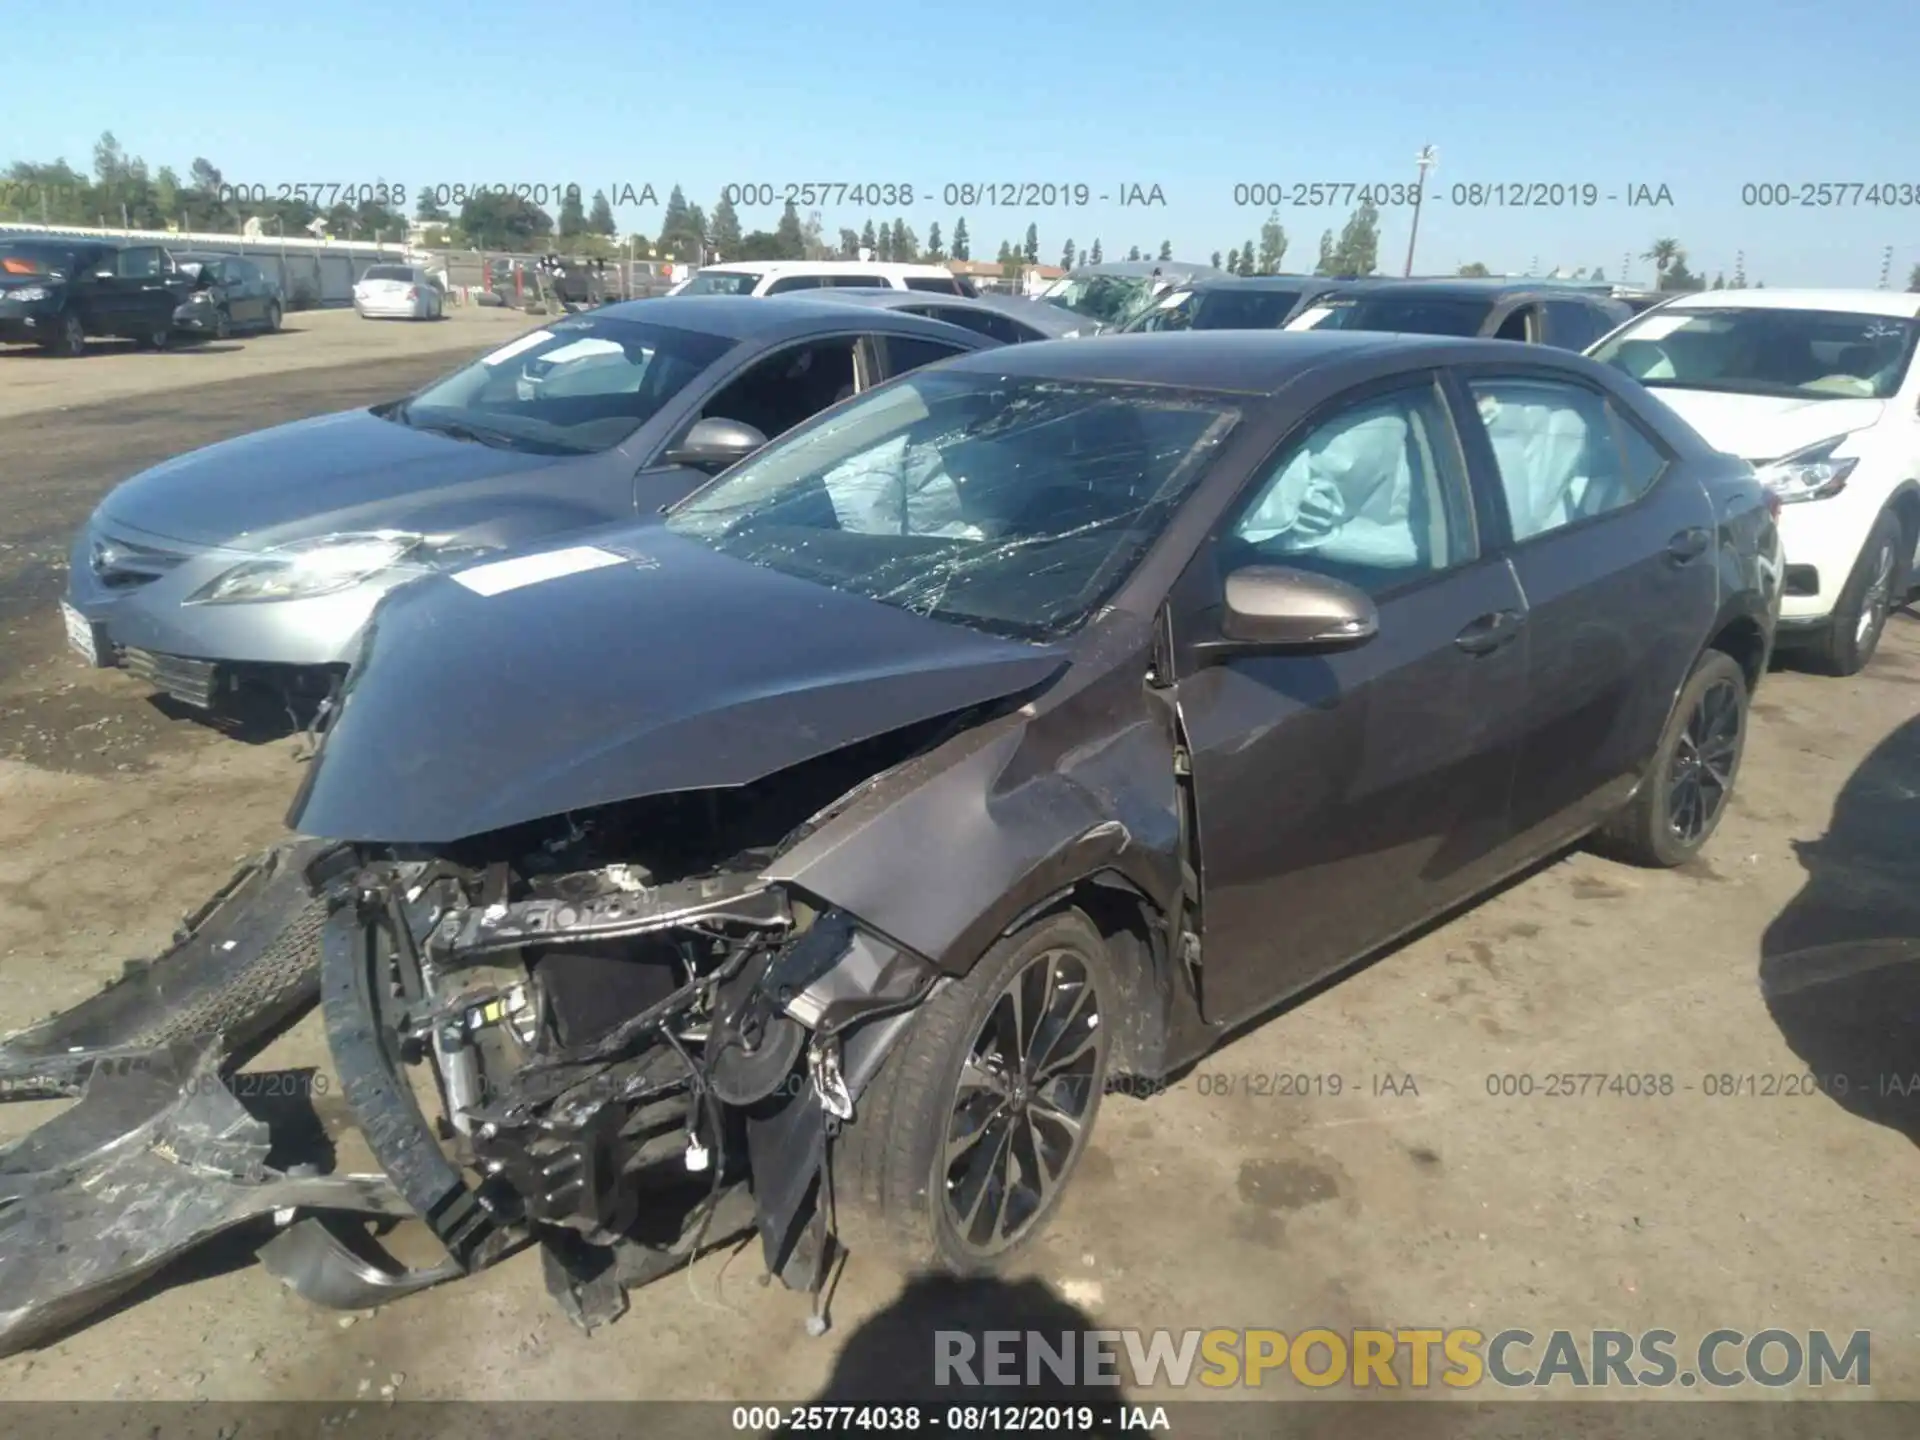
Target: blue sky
[(1701, 98)]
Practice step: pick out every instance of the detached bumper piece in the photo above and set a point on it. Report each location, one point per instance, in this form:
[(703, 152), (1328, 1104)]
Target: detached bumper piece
[(192, 682), (157, 1158)]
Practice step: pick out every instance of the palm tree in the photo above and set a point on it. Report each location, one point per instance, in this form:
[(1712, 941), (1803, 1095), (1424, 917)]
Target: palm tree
[(1663, 255)]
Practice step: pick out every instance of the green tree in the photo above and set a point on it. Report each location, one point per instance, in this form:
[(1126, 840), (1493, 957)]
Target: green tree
[(1913, 281), (1273, 244), (1324, 265), (897, 241), (1133, 252), (1216, 260), (869, 241), (885, 234), (504, 222), (600, 217), (793, 244), (1663, 254), (934, 252), (1005, 257), (1246, 258), (1166, 249), (1474, 270), (1719, 281), (1093, 255), (1358, 252), (1032, 248), (849, 244), (573, 215), (761, 245), (962, 243), (1233, 261), (724, 232), (426, 206), (1066, 257), (1598, 273), (674, 232), (1080, 261)]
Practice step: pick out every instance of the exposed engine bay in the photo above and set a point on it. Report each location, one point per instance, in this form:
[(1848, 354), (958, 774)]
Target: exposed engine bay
[(605, 1034)]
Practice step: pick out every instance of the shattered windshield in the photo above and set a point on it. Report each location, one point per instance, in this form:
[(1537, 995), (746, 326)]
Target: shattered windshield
[(1110, 299), (1010, 504)]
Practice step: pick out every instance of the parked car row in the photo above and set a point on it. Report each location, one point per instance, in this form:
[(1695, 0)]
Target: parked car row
[(797, 737)]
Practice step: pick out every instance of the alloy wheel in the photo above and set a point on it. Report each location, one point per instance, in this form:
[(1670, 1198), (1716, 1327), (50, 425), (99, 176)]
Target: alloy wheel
[(1878, 599), (73, 335), (1702, 773), (222, 324), (1021, 1110)]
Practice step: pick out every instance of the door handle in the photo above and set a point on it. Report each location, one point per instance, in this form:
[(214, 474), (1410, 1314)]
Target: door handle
[(1687, 545), (1488, 633)]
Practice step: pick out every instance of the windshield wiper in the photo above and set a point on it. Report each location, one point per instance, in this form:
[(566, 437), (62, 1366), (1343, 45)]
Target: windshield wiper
[(460, 430)]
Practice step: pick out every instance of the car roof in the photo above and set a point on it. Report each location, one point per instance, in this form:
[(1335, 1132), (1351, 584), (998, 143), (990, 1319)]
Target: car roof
[(824, 267), (1862, 302), (1145, 269), (1476, 288), (1034, 312), (1245, 362), (768, 317), (1267, 282)]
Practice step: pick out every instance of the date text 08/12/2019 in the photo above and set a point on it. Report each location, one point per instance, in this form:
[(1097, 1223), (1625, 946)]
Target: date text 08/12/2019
[(1463, 194)]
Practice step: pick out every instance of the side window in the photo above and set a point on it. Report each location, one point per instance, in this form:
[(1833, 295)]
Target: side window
[(1559, 451), (138, 262), (1374, 494), (981, 322), (910, 352), (1643, 461), (934, 283), (794, 282), (857, 282), (778, 392), (1571, 325)]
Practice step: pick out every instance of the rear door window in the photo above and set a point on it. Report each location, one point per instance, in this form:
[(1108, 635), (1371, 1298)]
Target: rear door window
[(935, 283)]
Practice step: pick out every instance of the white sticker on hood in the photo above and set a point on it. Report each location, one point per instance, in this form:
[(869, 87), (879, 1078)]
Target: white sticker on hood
[(499, 576), (508, 351)]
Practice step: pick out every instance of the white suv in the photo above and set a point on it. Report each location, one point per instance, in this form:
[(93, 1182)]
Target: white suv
[(783, 277), (1820, 390)]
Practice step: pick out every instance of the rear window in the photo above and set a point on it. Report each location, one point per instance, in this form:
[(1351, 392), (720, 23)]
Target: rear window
[(1251, 310), (938, 284), (857, 282), (387, 272), (723, 282)]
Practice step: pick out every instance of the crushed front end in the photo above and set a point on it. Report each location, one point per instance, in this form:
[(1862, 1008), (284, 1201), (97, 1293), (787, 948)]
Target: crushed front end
[(620, 1063)]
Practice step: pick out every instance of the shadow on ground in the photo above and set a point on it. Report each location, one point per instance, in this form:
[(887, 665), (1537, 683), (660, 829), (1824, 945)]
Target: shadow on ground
[(895, 1355), (1840, 966)]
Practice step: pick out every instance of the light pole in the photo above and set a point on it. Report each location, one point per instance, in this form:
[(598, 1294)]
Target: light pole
[(1426, 159)]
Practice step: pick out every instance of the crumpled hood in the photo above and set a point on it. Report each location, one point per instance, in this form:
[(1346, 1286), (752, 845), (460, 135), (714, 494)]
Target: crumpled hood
[(345, 471), (1766, 427), (652, 665)]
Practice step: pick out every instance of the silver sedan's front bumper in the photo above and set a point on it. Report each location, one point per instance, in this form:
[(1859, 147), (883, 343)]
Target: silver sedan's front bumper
[(127, 592)]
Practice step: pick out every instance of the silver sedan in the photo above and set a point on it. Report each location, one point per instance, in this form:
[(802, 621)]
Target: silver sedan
[(398, 292)]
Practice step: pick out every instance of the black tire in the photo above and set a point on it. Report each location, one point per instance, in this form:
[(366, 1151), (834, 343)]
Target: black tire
[(891, 1189), (70, 338), (156, 340), (1860, 615), (222, 323), (273, 316), (1699, 753)]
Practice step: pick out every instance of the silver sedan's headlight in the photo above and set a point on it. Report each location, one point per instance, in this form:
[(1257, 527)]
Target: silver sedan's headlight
[(324, 565)]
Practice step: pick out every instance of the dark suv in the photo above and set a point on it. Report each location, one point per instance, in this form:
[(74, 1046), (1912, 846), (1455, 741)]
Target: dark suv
[(57, 292), (230, 293)]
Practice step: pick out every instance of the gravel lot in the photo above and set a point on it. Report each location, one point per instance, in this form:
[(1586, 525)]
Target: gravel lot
[(1421, 1201)]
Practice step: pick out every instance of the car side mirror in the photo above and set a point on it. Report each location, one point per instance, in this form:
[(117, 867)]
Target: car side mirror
[(713, 444), (1273, 608)]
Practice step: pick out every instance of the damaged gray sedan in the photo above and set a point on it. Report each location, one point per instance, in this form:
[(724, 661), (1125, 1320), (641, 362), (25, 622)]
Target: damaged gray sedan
[(811, 861)]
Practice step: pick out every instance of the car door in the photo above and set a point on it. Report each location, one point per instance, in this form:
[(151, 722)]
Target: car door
[(93, 289), (1613, 551), (1342, 798), (244, 303), (144, 286)]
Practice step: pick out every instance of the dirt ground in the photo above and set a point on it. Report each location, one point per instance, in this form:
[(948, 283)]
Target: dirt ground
[(1413, 1197)]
